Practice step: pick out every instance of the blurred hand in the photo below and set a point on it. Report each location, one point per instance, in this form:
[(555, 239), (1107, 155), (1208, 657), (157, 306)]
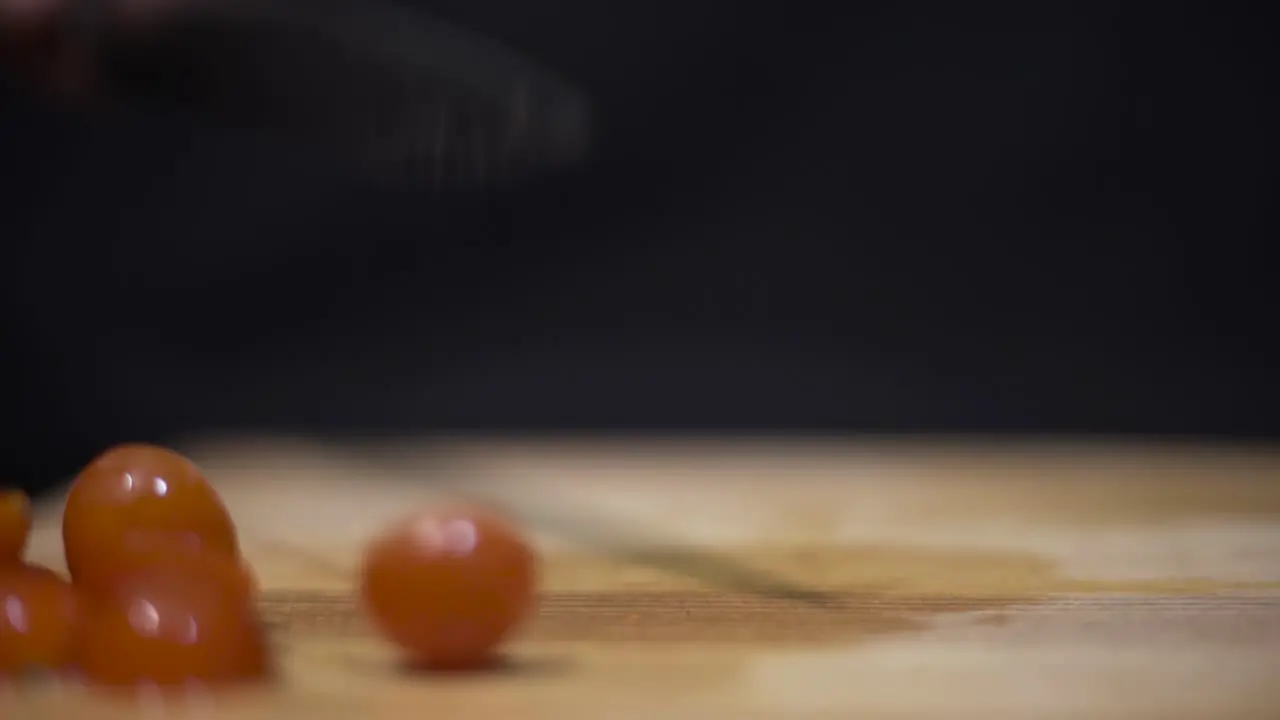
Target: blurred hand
[(19, 14), (35, 44)]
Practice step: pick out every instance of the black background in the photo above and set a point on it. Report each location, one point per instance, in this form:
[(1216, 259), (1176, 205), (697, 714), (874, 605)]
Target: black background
[(877, 217)]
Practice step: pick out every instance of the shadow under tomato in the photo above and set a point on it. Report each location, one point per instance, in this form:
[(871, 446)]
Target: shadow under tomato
[(494, 667)]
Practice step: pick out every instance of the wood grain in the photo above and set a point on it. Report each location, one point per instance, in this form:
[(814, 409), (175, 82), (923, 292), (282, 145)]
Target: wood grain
[(972, 579)]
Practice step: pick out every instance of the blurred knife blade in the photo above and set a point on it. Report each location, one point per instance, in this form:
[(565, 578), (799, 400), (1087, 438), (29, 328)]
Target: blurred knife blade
[(393, 95), (611, 536)]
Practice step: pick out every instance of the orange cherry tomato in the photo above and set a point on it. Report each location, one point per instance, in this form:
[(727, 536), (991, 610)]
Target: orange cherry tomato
[(448, 586), (169, 627), (15, 525), (39, 617), (135, 497)]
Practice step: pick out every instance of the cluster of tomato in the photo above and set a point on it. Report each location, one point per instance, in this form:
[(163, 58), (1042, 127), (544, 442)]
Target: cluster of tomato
[(160, 595)]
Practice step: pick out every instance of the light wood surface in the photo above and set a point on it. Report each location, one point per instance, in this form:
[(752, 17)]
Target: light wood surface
[(961, 580)]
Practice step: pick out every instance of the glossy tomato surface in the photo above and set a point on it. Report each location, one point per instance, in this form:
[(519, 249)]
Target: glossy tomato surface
[(448, 586), (40, 615), (137, 497), (169, 627)]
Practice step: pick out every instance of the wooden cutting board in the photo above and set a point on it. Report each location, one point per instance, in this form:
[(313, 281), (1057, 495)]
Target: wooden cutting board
[(966, 580)]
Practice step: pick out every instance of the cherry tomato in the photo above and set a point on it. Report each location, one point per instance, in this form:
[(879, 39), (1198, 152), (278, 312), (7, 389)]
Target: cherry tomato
[(137, 497), (40, 614), (170, 627), (448, 586), (15, 525)]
